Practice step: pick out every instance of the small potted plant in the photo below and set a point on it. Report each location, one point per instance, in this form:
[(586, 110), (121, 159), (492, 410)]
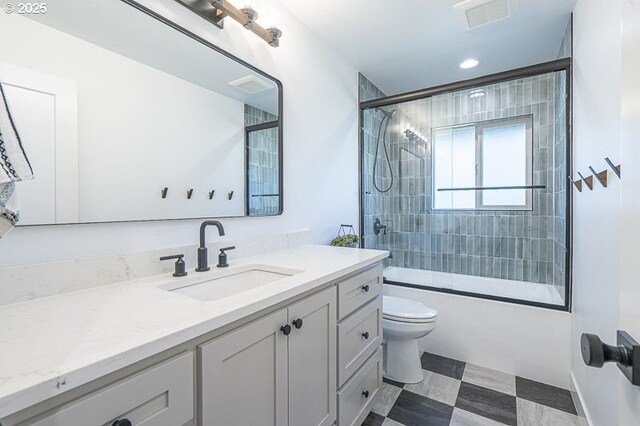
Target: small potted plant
[(346, 237)]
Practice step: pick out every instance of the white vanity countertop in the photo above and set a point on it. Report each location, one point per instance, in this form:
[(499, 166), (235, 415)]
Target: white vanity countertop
[(80, 336)]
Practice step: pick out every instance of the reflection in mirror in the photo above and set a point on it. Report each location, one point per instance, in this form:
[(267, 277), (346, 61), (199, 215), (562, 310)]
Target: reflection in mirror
[(110, 117), (263, 168)]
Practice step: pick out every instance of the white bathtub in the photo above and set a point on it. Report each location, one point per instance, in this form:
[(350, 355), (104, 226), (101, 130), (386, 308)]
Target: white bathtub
[(519, 290)]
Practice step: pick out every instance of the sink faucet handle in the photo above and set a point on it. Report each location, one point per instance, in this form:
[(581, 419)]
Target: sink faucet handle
[(180, 266), (222, 257)]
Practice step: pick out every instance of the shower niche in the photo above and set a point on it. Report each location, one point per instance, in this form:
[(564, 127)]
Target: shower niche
[(470, 185)]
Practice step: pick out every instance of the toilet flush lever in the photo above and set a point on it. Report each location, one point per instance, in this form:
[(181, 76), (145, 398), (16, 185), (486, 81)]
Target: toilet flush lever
[(626, 354)]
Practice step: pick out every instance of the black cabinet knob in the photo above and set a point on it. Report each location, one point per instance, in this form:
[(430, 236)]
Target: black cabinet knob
[(286, 329), (297, 323), (365, 394), (123, 422), (595, 353), (365, 334), (365, 287)]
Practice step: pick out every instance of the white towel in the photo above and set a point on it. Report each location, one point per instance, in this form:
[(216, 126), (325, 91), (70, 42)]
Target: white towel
[(14, 167)]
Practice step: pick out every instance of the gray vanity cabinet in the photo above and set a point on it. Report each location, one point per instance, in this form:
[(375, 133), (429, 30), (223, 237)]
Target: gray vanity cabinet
[(278, 370)]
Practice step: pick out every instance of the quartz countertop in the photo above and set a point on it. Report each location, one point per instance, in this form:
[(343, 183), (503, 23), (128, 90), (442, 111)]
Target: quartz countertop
[(77, 337)]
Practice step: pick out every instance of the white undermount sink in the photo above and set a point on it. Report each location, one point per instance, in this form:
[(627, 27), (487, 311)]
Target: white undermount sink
[(230, 282)]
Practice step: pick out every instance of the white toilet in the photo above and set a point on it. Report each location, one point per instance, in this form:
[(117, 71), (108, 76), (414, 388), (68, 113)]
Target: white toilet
[(403, 323)]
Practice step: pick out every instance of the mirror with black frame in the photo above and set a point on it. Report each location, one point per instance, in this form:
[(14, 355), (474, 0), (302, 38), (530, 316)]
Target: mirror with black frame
[(125, 116)]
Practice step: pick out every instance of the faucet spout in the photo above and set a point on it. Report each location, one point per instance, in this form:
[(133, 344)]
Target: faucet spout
[(203, 255)]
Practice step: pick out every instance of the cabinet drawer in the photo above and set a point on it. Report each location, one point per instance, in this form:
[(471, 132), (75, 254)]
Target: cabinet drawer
[(359, 394), (358, 290), (159, 396), (358, 337)]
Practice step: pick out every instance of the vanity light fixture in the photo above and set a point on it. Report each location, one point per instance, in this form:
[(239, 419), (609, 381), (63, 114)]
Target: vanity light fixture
[(469, 63), (245, 16)]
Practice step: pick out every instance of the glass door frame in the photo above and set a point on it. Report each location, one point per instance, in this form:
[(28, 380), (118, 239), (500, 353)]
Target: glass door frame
[(565, 65)]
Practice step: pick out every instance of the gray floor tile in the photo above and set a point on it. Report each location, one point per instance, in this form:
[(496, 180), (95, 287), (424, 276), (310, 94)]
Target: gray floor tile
[(488, 403), (490, 379), (442, 365), (412, 409), (466, 418), (436, 386), (545, 394), (533, 414), (373, 419), (386, 398)]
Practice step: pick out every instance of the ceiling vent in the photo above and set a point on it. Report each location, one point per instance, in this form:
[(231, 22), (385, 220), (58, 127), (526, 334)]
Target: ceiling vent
[(251, 84), (475, 13)]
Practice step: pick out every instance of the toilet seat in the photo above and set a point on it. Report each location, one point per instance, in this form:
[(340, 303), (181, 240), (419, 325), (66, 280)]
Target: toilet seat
[(404, 310)]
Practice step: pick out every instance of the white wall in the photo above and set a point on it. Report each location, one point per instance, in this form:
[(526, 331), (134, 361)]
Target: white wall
[(320, 151), (596, 216), (526, 341)]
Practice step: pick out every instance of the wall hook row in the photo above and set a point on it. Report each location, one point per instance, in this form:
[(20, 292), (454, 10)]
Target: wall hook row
[(165, 191), (601, 177)]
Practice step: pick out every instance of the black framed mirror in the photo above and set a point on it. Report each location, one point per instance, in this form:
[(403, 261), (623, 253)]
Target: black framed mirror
[(149, 122)]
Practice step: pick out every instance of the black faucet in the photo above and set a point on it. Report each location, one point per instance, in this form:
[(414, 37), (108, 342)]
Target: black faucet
[(203, 255)]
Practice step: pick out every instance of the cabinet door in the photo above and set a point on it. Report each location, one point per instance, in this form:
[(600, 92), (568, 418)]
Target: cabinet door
[(312, 360), (244, 375)]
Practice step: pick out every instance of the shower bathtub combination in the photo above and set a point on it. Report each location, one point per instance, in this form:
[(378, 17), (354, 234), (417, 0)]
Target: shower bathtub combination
[(466, 185)]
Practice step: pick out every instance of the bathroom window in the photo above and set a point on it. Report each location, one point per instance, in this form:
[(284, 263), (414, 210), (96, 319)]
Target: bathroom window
[(475, 165)]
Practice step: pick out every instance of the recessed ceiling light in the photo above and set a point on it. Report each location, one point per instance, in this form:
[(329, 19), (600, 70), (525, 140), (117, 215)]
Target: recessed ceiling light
[(469, 63)]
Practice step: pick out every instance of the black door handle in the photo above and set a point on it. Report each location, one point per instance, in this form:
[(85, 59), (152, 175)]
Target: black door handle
[(626, 354), (123, 422), (286, 329), (297, 323), (595, 353)]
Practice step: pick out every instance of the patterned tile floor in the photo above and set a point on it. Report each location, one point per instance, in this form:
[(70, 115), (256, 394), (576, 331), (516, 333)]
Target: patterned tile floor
[(455, 393)]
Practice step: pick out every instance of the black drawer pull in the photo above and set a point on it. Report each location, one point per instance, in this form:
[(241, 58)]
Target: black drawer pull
[(365, 287), (365, 335), (286, 329), (365, 394), (297, 323), (123, 422)]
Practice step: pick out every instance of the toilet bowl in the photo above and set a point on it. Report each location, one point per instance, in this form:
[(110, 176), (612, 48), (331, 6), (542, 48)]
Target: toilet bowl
[(403, 323)]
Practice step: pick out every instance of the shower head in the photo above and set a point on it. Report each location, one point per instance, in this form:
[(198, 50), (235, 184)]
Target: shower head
[(388, 114)]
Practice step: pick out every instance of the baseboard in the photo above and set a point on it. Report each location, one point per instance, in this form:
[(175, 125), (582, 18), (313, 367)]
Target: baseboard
[(576, 395)]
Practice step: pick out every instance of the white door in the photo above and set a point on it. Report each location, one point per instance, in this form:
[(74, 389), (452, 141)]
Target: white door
[(629, 318), (244, 376), (312, 360)]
